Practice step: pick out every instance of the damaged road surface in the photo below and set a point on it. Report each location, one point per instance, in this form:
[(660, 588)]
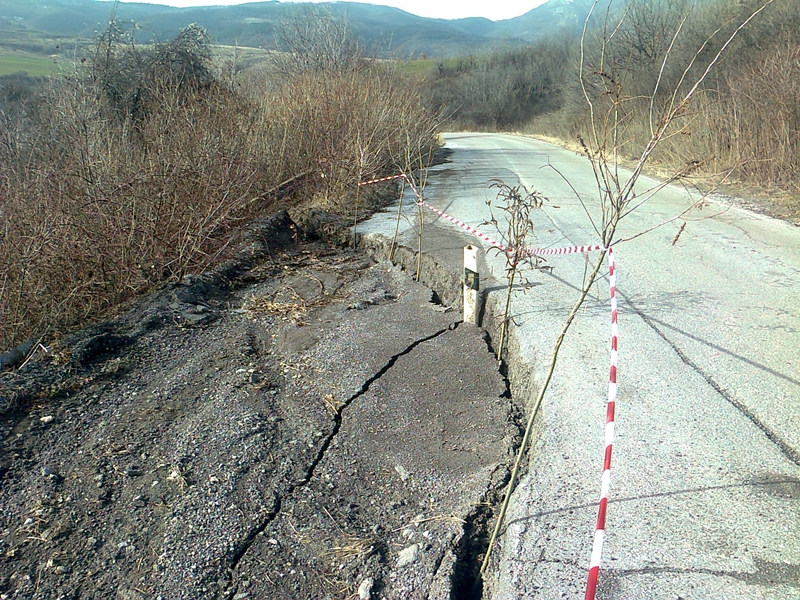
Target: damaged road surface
[(315, 427)]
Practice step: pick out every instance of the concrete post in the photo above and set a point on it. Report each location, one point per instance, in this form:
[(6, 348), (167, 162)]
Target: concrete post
[(472, 285)]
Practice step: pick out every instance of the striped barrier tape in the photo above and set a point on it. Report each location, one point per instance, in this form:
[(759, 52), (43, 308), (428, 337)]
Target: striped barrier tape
[(600, 527), (531, 252), (422, 202), (401, 176), (466, 227), (567, 250), (414, 189), (478, 234)]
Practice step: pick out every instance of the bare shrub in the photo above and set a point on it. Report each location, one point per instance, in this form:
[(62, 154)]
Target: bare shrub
[(129, 79), (99, 215), (342, 127), (517, 203), (504, 89), (750, 121), (312, 40)]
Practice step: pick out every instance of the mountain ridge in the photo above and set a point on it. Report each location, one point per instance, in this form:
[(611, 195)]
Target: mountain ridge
[(382, 30)]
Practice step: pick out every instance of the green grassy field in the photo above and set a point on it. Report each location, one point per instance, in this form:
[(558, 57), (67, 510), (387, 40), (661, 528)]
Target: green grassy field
[(417, 67), (425, 66), (12, 61)]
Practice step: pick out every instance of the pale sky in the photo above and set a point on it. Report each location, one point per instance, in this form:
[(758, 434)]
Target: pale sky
[(441, 9)]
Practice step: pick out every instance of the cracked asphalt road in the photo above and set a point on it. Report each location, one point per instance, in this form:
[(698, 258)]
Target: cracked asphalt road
[(705, 491), (309, 423)]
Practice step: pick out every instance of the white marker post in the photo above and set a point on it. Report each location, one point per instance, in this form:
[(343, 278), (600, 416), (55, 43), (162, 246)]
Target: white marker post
[(472, 285)]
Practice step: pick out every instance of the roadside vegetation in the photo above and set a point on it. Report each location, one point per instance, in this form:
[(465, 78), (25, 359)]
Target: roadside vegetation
[(142, 163), (744, 124)]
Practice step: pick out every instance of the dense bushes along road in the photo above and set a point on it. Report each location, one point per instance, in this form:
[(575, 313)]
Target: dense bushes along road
[(140, 165)]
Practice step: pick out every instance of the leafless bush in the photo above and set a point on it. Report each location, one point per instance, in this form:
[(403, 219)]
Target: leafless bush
[(517, 203), (504, 89), (743, 122), (129, 79), (98, 215), (343, 127), (312, 40), (749, 122)]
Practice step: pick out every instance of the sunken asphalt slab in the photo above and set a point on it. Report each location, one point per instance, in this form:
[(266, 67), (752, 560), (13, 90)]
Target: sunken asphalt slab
[(309, 425)]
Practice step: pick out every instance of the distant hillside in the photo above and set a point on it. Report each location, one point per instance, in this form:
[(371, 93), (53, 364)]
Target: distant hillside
[(540, 22), (382, 30)]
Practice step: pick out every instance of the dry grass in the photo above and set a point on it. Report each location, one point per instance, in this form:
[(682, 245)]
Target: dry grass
[(352, 547), (420, 519), (742, 126), (293, 312), (138, 169)]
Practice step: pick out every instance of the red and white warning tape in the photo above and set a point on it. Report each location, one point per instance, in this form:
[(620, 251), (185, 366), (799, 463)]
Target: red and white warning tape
[(414, 189), (567, 250), (422, 202), (531, 252), (408, 179), (401, 176), (600, 528), (478, 234), (466, 227)]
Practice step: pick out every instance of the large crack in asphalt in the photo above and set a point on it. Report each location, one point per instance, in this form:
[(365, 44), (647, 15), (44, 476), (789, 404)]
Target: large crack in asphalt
[(790, 453), (250, 539), (785, 448), (466, 579), (470, 548)]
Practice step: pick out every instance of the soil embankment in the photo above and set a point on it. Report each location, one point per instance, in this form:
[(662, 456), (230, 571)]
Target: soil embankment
[(304, 423)]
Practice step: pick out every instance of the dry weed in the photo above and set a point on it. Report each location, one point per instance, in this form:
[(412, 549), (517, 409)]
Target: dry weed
[(352, 548), (293, 312)]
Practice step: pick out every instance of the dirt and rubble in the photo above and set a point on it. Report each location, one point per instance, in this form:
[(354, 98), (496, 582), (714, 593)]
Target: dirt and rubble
[(306, 422)]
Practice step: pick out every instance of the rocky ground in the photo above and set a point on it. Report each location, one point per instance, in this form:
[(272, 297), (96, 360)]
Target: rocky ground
[(306, 422)]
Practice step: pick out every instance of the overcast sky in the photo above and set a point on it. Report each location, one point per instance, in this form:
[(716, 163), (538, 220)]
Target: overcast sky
[(442, 9)]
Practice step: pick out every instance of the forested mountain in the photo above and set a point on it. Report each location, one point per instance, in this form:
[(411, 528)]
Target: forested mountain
[(381, 30)]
